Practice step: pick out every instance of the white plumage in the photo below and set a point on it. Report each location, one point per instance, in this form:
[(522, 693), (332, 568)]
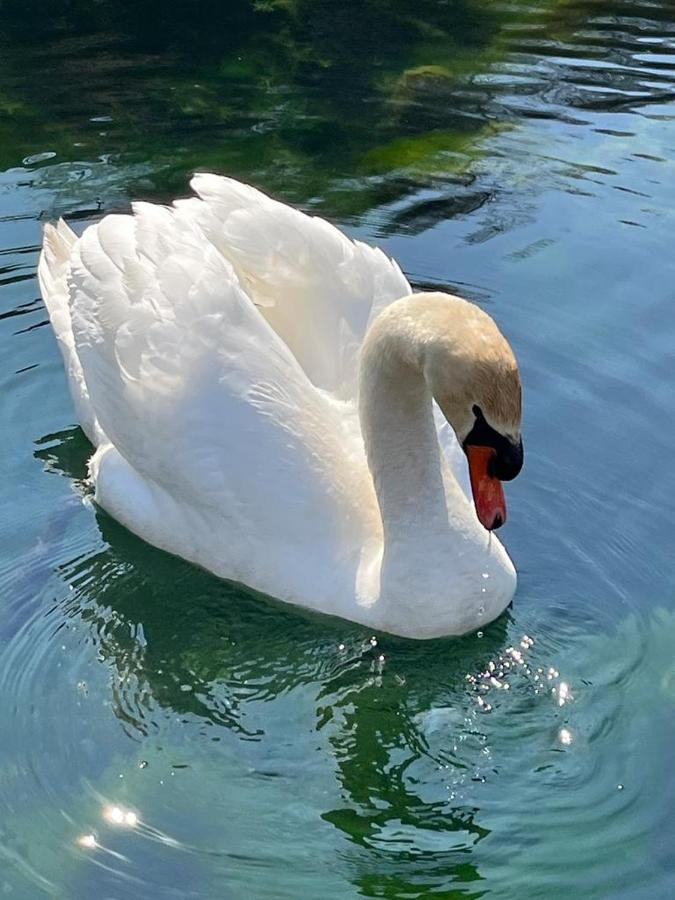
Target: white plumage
[(212, 350)]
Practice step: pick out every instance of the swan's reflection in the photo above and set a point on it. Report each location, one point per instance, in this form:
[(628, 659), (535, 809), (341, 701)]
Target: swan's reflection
[(181, 643)]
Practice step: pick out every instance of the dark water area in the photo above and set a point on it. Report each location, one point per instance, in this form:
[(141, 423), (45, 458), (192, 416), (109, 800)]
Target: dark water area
[(168, 735)]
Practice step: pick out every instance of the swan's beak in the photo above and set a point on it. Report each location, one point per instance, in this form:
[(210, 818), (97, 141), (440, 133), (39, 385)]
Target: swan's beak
[(488, 494)]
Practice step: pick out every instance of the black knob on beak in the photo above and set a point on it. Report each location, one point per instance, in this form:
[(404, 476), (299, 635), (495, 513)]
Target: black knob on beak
[(508, 458)]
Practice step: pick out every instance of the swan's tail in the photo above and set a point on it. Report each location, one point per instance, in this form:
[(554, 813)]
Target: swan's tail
[(53, 270)]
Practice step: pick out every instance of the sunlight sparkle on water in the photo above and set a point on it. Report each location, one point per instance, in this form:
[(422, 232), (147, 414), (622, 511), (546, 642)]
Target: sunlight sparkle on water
[(513, 663), (88, 841), (565, 736), (118, 816), (563, 693)]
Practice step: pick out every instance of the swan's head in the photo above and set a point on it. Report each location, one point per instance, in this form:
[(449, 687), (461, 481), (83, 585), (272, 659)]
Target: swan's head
[(473, 375)]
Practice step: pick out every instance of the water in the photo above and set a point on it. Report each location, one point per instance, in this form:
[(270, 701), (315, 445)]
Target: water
[(165, 734)]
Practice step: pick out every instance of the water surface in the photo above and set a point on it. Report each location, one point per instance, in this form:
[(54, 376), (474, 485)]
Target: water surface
[(166, 734)]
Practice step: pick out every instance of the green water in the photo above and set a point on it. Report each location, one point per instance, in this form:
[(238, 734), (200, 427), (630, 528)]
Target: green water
[(522, 154)]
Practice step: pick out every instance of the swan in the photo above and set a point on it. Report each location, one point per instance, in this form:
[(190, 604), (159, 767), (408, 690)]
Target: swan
[(271, 401)]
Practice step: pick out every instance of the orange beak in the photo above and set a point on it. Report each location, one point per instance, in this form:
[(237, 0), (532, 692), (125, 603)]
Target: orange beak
[(488, 494)]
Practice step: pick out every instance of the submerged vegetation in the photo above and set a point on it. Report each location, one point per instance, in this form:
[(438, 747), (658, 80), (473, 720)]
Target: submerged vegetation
[(357, 103)]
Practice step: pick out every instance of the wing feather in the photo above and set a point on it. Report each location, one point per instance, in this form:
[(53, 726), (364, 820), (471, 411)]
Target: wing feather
[(318, 288), (53, 272)]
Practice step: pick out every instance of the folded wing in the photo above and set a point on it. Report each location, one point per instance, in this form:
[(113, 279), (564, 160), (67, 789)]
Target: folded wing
[(317, 288), (192, 387)]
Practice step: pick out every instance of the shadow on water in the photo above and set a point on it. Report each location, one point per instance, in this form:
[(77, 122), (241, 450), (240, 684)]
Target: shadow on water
[(181, 643)]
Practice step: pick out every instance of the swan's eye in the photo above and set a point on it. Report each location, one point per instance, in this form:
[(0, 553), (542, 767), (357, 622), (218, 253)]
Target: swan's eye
[(508, 456)]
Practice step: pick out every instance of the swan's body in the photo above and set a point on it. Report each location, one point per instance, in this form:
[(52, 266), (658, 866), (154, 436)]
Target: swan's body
[(213, 352)]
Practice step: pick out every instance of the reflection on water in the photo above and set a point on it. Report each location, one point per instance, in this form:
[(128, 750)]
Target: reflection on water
[(389, 724), (410, 730), (171, 735)]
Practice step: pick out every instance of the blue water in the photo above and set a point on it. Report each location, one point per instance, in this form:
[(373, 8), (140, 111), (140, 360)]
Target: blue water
[(522, 155)]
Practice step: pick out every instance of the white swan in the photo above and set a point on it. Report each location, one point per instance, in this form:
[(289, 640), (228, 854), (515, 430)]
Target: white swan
[(259, 390)]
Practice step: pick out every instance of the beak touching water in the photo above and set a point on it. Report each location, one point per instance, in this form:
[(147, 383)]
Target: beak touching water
[(488, 493), (493, 458)]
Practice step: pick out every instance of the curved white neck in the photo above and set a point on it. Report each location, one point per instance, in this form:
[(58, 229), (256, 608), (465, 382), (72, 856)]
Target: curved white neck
[(397, 422), (437, 564)]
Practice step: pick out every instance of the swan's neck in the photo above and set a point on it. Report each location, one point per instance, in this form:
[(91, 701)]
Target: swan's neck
[(395, 407)]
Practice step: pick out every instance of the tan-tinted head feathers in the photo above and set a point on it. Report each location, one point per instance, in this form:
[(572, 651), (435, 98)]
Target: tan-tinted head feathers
[(466, 360), (446, 346)]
